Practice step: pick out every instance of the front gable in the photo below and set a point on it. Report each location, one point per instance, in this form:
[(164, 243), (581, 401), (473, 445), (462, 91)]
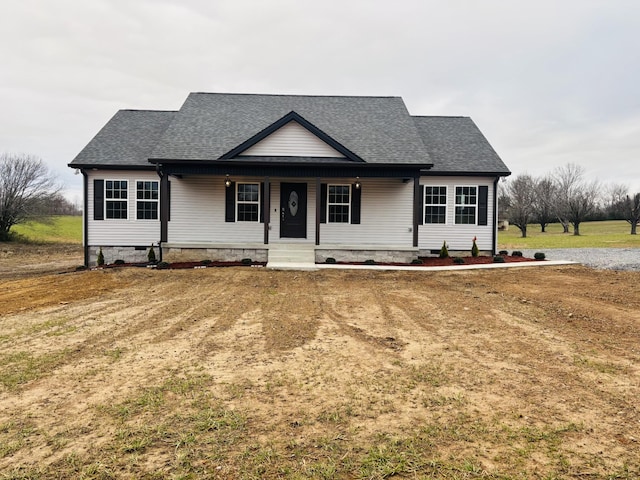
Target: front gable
[(292, 136)]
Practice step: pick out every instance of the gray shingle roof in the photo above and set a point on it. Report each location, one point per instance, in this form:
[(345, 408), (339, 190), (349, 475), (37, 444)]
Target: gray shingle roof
[(126, 140), (377, 129), (456, 145)]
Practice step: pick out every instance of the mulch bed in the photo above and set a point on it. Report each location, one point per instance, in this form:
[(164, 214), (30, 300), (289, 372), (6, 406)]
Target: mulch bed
[(446, 262)]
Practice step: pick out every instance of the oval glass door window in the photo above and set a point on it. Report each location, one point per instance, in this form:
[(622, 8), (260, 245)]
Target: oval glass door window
[(293, 203)]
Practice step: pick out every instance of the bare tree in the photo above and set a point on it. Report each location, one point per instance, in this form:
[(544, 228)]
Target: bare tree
[(615, 200), (632, 211), (577, 198), (521, 193), (25, 186), (544, 205)]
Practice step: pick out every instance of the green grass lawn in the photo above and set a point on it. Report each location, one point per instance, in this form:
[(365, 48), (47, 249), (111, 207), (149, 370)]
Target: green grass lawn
[(58, 229), (614, 233)]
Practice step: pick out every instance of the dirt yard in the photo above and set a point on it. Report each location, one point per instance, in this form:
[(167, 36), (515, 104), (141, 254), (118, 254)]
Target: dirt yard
[(251, 373)]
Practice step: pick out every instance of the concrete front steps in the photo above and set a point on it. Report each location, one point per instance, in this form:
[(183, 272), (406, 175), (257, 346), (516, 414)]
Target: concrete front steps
[(292, 256)]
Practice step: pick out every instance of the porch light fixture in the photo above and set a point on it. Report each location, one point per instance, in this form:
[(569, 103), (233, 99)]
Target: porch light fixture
[(357, 185), (227, 181)]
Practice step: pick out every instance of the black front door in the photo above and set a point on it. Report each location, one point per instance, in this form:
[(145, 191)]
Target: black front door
[(293, 210)]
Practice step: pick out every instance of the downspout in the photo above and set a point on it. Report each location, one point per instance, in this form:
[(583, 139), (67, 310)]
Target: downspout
[(495, 215), (164, 210), (85, 216)]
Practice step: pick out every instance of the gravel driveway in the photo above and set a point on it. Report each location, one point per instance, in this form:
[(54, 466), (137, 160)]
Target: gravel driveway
[(606, 258)]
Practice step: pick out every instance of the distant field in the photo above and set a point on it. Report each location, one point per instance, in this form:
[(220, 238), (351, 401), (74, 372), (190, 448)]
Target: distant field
[(59, 229), (613, 233)]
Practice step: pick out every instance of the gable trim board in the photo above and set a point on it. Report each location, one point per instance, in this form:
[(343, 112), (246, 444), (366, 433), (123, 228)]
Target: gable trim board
[(272, 140)]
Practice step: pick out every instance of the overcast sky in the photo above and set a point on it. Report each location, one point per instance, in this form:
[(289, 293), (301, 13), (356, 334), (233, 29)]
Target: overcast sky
[(548, 82)]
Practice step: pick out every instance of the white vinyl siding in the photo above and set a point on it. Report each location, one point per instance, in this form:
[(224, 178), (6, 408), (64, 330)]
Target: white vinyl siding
[(458, 237), (292, 140), (121, 232)]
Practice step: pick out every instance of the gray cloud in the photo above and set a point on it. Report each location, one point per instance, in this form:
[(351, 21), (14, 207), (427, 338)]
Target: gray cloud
[(547, 82)]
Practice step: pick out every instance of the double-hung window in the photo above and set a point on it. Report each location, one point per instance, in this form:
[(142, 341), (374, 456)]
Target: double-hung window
[(339, 203), (248, 202), (466, 205), (116, 201), (147, 200), (435, 204)]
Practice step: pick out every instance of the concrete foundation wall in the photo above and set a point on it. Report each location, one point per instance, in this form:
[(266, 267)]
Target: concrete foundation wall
[(174, 254), (127, 254), (380, 256)]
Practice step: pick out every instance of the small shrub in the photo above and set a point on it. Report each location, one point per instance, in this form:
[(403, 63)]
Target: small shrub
[(151, 256), (503, 252), (206, 262), (163, 265), (330, 260), (444, 251), (498, 259), (369, 262), (246, 261), (516, 253), (417, 261), (474, 248), (100, 260), (539, 256), (119, 262), (458, 260), (80, 268)]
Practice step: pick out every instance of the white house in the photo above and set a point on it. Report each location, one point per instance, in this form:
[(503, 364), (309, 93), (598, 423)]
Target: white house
[(232, 176)]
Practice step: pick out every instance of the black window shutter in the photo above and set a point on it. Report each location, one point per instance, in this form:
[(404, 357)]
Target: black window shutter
[(356, 201), (230, 203), (168, 201), (323, 203), (261, 202), (483, 203), (420, 206), (98, 199)]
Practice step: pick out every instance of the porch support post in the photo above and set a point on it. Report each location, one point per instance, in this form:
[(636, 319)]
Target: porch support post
[(318, 210), (164, 206), (267, 209), (416, 210)]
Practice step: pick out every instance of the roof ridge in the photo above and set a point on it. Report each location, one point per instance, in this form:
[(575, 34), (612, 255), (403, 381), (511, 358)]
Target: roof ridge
[(293, 95), (440, 116), (147, 110)]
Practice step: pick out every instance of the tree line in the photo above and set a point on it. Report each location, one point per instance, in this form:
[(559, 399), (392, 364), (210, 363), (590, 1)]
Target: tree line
[(567, 196), (28, 191)]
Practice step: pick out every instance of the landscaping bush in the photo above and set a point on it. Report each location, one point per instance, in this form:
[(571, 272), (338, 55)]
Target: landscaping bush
[(516, 253), (417, 261), (369, 262), (498, 259), (163, 265), (151, 256), (503, 252), (444, 251), (539, 256), (458, 260), (205, 262), (80, 268), (246, 261), (119, 262), (474, 248), (100, 260), (330, 260)]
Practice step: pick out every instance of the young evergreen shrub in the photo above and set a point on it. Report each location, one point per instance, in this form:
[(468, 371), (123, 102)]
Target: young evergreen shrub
[(119, 262), (417, 261), (246, 261), (151, 256), (163, 265), (369, 262), (80, 268), (516, 253), (330, 260), (444, 251), (498, 259), (458, 260), (100, 260), (475, 251), (503, 252), (539, 256), (205, 262)]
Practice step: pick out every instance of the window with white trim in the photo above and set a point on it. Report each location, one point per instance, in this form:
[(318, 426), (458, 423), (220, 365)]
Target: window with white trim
[(147, 200), (466, 205), (116, 198), (339, 203), (248, 202), (435, 204)]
